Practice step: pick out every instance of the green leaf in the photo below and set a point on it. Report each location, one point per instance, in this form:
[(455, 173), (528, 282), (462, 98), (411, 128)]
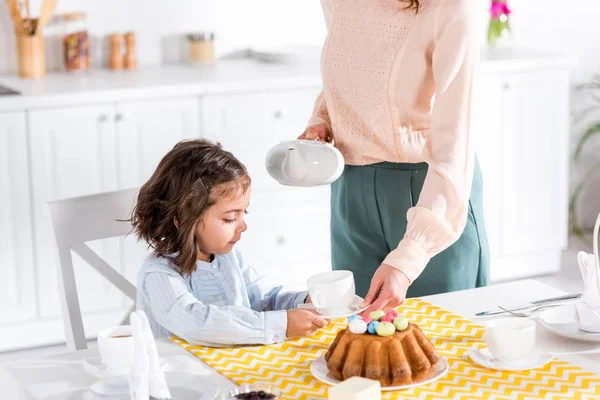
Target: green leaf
[(574, 227), (592, 130)]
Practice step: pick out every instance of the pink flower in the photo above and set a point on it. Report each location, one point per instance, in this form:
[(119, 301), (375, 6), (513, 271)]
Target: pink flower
[(499, 8)]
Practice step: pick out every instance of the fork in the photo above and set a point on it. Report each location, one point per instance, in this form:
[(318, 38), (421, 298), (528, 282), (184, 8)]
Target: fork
[(528, 313)]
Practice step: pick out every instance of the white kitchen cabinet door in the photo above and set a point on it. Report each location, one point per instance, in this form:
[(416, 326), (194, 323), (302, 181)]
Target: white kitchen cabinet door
[(535, 129), (146, 131), (248, 125), (488, 135), (288, 234), (72, 154), (17, 286)]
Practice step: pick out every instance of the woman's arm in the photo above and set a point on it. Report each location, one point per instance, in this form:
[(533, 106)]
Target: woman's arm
[(320, 115), (439, 217)]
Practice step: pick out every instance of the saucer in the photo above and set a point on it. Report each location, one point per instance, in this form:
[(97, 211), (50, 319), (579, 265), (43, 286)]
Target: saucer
[(353, 309), (562, 321), (535, 360), (183, 386), (100, 370), (320, 371)]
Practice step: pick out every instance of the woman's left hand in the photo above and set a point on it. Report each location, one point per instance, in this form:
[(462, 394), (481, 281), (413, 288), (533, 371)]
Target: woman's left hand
[(388, 289)]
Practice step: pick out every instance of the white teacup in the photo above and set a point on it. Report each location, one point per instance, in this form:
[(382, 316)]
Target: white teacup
[(332, 292), (510, 339), (115, 346)]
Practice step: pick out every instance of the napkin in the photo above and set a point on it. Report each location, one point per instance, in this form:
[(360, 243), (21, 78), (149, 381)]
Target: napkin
[(146, 378), (588, 309)]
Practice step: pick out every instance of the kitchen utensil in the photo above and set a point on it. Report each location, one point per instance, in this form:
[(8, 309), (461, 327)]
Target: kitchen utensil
[(484, 358), (304, 163), (319, 370), (562, 321), (559, 299), (48, 7), (528, 312), (30, 56), (15, 13)]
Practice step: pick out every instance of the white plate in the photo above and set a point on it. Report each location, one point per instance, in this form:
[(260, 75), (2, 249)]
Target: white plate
[(563, 322), (353, 310), (183, 386), (484, 358), (320, 371), (95, 367), (323, 163)]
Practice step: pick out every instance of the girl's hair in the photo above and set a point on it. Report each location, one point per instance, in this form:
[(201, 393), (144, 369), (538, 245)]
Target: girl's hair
[(189, 179)]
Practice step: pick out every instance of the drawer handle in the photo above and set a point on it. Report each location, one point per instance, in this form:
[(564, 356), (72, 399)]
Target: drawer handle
[(278, 114), (124, 116), (281, 240)]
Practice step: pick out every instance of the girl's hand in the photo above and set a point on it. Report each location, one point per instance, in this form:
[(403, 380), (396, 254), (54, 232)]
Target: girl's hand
[(388, 289), (301, 322), (307, 300), (315, 132)]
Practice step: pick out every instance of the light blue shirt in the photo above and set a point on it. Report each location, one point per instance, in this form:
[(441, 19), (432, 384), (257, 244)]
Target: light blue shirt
[(224, 302)]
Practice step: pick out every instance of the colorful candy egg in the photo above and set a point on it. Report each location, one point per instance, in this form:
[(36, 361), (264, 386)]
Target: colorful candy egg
[(357, 326), (401, 323), (386, 329), (388, 318), (372, 327), (376, 315), (353, 317)]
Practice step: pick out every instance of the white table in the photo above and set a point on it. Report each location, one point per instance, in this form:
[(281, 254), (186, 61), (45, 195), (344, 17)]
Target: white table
[(63, 377)]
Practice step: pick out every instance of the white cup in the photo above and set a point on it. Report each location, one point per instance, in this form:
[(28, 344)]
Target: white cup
[(332, 292), (115, 346), (510, 339)]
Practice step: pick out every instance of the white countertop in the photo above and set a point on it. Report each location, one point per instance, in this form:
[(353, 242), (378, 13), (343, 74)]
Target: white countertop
[(63, 377), (226, 76)]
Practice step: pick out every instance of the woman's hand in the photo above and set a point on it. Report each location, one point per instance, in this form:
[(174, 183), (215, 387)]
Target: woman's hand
[(302, 322), (388, 289), (315, 132)]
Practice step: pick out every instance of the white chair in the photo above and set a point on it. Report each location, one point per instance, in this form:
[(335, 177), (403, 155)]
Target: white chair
[(82, 219)]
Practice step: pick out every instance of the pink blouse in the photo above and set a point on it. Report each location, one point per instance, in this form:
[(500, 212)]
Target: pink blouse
[(398, 86)]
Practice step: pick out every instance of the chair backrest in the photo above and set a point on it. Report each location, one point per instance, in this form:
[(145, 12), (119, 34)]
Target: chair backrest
[(82, 219), (93, 217)]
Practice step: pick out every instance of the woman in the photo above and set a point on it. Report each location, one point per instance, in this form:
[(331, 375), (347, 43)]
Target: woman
[(398, 78)]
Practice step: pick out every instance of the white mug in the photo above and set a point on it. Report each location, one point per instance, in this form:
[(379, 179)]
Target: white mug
[(510, 339), (115, 346), (332, 292)]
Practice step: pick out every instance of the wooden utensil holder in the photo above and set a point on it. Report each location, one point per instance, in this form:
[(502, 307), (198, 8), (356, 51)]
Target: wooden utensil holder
[(30, 56)]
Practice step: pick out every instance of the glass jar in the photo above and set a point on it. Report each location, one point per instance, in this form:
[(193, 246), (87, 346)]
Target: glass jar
[(76, 43), (201, 48)]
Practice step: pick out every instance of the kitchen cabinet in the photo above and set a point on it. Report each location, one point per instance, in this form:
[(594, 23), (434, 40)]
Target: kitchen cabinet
[(17, 286)]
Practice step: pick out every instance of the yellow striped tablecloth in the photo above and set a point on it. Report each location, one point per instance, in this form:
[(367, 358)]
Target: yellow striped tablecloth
[(287, 365)]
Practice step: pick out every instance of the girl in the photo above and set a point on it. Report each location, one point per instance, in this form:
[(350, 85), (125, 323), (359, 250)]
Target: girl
[(195, 284)]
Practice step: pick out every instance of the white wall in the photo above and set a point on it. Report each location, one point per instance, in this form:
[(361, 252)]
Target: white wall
[(236, 23), (557, 26)]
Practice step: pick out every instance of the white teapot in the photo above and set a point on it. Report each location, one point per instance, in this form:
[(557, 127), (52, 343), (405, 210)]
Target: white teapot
[(304, 163)]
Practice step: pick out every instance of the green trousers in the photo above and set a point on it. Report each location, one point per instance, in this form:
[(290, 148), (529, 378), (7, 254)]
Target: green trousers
[(368, 220)]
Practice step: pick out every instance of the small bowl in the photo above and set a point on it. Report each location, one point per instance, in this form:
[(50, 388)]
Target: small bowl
[(257, 388)]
